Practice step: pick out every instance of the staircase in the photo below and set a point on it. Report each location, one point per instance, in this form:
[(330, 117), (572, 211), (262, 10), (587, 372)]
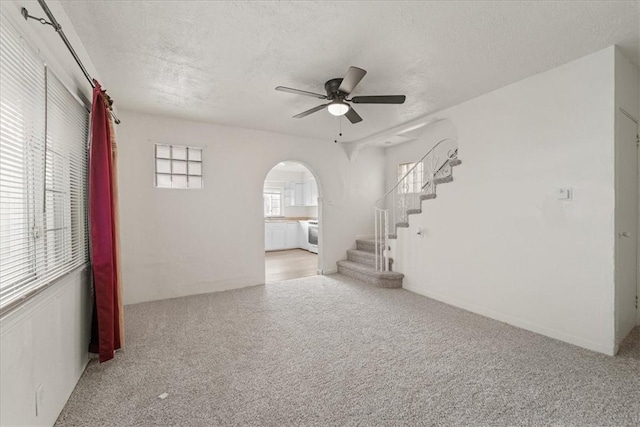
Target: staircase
[(370, 261), (361, 264), (411, 203)]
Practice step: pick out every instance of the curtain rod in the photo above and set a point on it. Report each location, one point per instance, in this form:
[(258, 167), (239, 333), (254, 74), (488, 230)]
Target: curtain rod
[(58, 28)]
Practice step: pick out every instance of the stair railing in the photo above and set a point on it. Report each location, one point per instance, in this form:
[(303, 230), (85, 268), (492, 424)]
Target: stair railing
[(405, 198), (381, 224)]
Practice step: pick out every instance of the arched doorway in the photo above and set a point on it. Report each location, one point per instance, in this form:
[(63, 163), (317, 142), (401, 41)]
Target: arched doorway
[(292, 223)]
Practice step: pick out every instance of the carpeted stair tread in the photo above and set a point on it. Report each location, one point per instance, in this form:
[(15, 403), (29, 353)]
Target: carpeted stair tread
[(367, 274), (443, 180), (363, 257), (367, 245), (428, 196), (370, 271)]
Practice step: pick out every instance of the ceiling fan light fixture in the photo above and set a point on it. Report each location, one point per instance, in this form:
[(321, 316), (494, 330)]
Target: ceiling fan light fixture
[(338, 108), (337, 92)]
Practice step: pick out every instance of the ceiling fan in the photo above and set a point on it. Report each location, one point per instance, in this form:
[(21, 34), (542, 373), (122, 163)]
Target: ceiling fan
[(337, 92)]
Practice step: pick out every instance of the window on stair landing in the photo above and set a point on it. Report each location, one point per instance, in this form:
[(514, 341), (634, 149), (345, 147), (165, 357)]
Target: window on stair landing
[(272, 202), (413, 182)]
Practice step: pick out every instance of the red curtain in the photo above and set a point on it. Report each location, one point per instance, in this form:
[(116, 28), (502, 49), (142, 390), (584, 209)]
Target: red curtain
[(106, 331)]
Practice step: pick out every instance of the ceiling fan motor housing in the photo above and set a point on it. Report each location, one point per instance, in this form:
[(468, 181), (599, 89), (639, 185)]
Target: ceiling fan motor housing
[(331, 87), (337, 92)]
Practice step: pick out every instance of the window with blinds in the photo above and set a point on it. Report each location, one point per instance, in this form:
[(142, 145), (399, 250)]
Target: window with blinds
[(43, 174)]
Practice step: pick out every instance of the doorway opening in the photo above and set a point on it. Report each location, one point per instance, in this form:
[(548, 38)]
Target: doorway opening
[(291, 222)]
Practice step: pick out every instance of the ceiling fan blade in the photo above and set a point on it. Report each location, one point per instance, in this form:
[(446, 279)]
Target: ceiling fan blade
[(353, 116), (311, 111), (301, 92), (351, 79), (380, 99)]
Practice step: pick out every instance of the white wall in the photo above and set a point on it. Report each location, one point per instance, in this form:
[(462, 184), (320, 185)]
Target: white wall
[(627, 103), (45, 341), (627, 85), (498, 242), (183, 242)]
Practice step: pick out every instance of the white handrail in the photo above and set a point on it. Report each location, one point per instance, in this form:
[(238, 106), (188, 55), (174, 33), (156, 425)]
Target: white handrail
[(414, 166)]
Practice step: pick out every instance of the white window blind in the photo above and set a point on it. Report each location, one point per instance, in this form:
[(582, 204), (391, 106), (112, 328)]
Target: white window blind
[(43, 173)]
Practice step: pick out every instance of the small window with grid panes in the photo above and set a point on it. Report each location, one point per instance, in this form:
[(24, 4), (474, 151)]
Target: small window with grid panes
[(178, 166)]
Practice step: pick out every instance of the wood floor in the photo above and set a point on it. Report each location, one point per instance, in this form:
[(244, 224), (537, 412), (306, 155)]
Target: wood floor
[(291, 264)]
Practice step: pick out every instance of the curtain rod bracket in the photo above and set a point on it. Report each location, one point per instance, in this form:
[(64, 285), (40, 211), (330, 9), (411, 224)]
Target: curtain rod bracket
[(54, 23), (26, 16)]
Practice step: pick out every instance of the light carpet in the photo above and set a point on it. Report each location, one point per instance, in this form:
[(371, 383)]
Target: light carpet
[(331, 351)]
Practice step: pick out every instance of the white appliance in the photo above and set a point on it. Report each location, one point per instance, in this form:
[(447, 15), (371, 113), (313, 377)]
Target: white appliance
[(313, 236)]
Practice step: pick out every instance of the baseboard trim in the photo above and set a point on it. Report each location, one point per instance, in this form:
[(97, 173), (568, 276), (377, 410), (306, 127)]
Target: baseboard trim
[(523, 324), (616, 348)]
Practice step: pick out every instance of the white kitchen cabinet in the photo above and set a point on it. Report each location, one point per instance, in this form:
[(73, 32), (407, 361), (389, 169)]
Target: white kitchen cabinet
[(291, 236), (274, 236), (301, 193), (278, 237), (314, 193), (281, 235), (289, 194), (294, 194), (310, 193)]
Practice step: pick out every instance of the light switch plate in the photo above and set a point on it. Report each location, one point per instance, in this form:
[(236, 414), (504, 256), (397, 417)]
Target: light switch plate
[(565, 193)]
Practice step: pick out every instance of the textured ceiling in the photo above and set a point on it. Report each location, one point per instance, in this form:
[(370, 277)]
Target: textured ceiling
[(219, 62)]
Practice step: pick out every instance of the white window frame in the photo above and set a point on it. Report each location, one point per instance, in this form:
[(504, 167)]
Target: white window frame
[(46, 222), (193, 173), (274, 191)]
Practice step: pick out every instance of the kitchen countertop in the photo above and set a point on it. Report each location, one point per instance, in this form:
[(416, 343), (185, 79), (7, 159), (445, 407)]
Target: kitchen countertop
[(289, 219)]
